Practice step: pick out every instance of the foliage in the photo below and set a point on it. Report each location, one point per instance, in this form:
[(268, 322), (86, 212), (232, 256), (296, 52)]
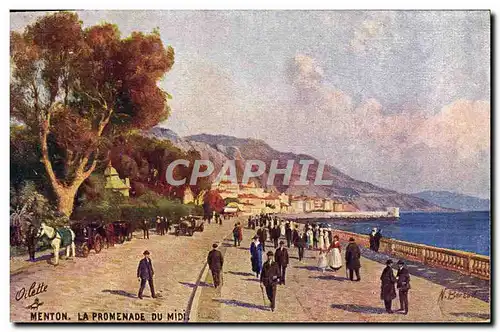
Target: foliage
[(213, 202), (74, 88), (145, 160), (228, 200), (28, 205), (113, 206)]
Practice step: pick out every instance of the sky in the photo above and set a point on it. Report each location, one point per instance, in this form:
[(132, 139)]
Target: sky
[(400, 99)]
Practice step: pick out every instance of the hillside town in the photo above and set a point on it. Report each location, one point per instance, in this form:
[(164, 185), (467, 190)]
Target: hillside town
[(251, 199)]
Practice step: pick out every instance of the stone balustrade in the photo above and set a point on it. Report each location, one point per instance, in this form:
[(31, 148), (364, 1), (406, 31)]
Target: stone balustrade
[(456, 260)]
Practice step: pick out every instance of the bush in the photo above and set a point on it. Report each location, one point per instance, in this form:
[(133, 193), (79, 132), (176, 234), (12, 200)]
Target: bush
[(115, 207)]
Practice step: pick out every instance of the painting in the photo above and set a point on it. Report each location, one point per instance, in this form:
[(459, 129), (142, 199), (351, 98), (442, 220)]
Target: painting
[(250, 166)]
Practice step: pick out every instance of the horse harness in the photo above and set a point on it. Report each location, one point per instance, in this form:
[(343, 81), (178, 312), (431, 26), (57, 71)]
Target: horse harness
[(56, 231)]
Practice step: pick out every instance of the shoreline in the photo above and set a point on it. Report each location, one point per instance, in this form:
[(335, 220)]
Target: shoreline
[(399, 230)]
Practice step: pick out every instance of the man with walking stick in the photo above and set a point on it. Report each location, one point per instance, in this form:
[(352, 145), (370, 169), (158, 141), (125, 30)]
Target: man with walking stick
[(270, 278)]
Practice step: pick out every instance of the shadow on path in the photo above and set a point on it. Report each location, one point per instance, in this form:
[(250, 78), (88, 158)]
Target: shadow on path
[(308, 268), (363, 309), (191, 285), (121, 293), (46, 257), (329, 277), (244, 274), (242, 304)]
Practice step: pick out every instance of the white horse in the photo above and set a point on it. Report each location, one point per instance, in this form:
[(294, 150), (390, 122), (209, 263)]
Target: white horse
[(55, 241)]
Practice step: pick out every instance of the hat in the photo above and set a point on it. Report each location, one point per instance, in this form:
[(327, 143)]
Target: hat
[(215, 245), (389, 262), (145, 252), (255, 237), (282, 242), (351, 239), (400, 262), (270, 253)]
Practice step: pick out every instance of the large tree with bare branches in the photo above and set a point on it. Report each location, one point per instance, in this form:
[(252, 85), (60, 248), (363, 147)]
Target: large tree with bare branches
[(74, 87)]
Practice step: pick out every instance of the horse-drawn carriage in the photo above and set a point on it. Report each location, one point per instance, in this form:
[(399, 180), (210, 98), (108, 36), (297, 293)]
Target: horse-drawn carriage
[(121, 231), (88, 236), (189, 225)]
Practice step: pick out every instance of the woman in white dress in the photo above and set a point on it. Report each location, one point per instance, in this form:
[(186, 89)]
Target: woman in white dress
[(321, 240), (282, 229), (334, 257), (310, 236), (327, 239), (322, 261)]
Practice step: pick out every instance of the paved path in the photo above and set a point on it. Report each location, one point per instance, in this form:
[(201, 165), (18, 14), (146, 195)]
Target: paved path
[(310, 295), (106, 282)]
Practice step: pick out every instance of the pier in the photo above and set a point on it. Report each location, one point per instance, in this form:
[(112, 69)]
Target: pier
[(390, 213)]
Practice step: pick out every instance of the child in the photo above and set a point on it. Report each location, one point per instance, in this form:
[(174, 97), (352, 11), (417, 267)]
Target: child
[(322, 262)]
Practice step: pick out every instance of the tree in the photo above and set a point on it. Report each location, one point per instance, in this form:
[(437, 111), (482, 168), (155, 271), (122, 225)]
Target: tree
[(74, 88), (213, 201)]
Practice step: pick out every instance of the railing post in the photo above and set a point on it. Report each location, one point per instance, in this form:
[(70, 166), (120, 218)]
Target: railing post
[(470, 265)]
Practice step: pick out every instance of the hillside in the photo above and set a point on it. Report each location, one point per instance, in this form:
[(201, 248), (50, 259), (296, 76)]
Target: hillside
[(365, 195), (455, 201)]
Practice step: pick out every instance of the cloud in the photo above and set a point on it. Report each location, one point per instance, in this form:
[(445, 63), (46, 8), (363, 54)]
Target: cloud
[(400, 149), (377, 26), (408, 151)]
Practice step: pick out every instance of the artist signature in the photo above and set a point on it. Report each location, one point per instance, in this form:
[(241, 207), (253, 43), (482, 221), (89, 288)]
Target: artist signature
[(450, 294), (35, 289)]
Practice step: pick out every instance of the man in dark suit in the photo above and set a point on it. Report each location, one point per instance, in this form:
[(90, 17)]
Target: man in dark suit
[(145, 229), (31, 240), (270, 277), (403, 285), (352, 256), (281, 255), (387, 289), (262, 234), (300, 243), (275, 235), (145, 273), (288, 234), (215, 262)]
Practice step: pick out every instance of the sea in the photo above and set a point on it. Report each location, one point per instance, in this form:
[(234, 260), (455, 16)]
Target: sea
[(467, 231)]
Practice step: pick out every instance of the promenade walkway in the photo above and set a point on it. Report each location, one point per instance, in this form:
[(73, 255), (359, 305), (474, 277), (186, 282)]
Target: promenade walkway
[(312, 296), (107, 282)]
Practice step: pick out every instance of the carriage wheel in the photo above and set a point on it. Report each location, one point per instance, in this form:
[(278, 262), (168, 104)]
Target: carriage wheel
[(98, 244), (85, 250), (121, 238)]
